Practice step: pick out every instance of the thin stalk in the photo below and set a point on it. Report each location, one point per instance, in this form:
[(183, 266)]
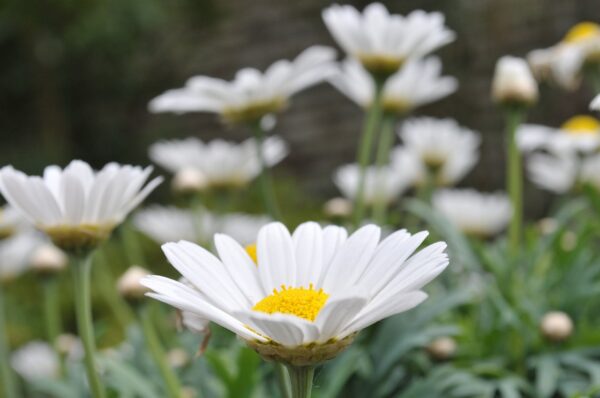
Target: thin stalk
[(158, 353), (301, 380), (81, 277), (283, 380), (52, 316), (514, 181), (266, 184), (594, 73), (386, 140), (8, 385), (365, 148)]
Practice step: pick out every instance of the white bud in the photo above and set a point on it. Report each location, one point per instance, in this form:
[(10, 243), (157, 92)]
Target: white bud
[(595, 105), (513, 82), (48, 259), (188, 392), (556, 326), (547, 225), (69, 346), (129, 285), (337, 207), (178, 358), (188, 180), (442, 348)]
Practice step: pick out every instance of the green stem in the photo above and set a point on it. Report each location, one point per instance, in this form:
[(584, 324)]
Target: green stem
[(106, 287), (514, 179), (158, 353), (594, 73), (7, 379), (81, 277), (365, 148), (386, 140), (265, 179), (301, 380), (52, 313), (283, 380)]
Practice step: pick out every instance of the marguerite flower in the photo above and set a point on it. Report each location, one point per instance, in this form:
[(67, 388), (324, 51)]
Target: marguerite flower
[(595, 105), (168, 223), (474, 213), (513, 83), (223, 164), (578, 134), (252, 94), (437, 147), (16, 253), (11, 220), (36, 360), (383, 42), (419, 82), (310, 292), (563, 172), (383, 184), (77, 207)]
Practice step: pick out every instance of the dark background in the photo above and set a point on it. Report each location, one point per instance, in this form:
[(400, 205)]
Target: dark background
[(76, 75)]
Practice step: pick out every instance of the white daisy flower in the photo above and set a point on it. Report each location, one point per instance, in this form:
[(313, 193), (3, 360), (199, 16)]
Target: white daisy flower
[(168, 223), (438, 146), (417, 83), (578, 134), (252, 94), (16, 253), (222, 163), (36, 360), (310, 292), (474, 213), (383, 184), (77, 207), (11, 220), (595, 105), (561, 173), (513, 82), (383, 42)]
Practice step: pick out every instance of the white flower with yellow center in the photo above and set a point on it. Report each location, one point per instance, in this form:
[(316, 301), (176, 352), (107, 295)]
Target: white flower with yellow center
[(223, 164), (417, 83), (513, 82), (437, 148), (383, 42), (474, 213), (578, 134), (77, 207), (309, 293), (381, 184), (252, 94), (595, 105)]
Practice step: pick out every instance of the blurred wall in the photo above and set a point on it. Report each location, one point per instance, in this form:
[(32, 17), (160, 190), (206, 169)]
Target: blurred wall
[(76, 76)]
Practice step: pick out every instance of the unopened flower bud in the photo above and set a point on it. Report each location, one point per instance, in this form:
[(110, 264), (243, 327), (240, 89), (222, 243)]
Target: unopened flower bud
[(556, 326), (568, 242), (69, 346), (129, 285), (442, 348), (547, 225), (178, 358), (595, 105), (513, 83), (48, 259), (188, 180), (337, 207), (188, 392)]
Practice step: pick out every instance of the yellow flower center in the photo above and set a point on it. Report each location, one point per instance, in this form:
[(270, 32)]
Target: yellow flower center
[(251, 250), (582, 31), (581, 124), (304, 303)]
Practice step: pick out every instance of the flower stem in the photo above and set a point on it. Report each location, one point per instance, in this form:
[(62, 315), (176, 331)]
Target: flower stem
[(52, 313), (265, 178), (7, 380), (158, 353), (282, 380), (81, 277), (514, 178), (386, 140), (365, 148), (301, 378)]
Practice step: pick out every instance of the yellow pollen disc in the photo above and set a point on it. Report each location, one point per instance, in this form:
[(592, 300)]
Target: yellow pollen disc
[(251, 250), (581, 124), (304, 303), (582, 31)]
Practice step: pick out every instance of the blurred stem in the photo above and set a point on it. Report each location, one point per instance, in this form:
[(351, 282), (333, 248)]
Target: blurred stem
[(514, 182), (52, 313), (386, 140), (594, 73), (7, 379), (81, 276), (106, 284), (283, 380), (365, 148), (265, 178), (158, 353), (301, 380)]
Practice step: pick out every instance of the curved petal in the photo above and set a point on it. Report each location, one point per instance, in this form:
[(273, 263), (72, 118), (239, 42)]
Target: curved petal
[(276, 258), (308, 247)]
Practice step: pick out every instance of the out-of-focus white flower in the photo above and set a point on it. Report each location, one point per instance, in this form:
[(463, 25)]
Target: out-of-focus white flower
[(167, 224), (189, 179), (36, 360), (595, 105), (556, 173), (337, 207), (442, 348), (252, 94), (129, 285), (15, 253), (417, 83), (11, 220), (48, 259), (77, 207), (556, 326), (222, 163), (383, 42), (474, 213), (241, 227), (310, 292), (578, 134), (540, 62), (513, 82), (383, 184), (438, 146)]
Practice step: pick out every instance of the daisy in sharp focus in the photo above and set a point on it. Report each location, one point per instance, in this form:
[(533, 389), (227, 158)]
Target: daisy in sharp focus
[(383, 42), (252, 94), (417, 83), (223, 164), (309, 293), (478, 214)]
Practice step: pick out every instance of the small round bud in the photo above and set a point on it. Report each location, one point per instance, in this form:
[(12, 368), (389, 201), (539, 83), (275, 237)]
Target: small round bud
[(188, 392), (178, 358), (513, 83), (48, 259), (442, 348), (188, 180), (568, 241), (69, 346), (337, 207), (556, 326), (547, 225), (129, 285)]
